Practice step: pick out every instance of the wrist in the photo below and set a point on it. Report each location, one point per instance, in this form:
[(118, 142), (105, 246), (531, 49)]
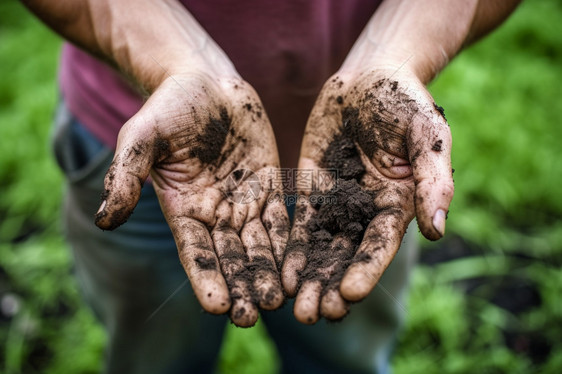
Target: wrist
[(168, 42), (406, 35), (153, 68), (423, 64), (385, 63), (150, 68)]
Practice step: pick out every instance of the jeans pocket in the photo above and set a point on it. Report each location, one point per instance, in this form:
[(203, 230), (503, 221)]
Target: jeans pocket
[(81, 156)]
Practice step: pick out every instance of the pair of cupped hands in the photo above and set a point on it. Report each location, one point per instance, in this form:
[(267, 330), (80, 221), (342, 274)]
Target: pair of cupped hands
[(209, 148)]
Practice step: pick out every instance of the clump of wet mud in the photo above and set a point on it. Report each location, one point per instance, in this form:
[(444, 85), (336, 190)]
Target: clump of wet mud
[(440, 110), (205, 263), (342, 156), (336, 232), (209, 144), (437, 146), (341, 218)]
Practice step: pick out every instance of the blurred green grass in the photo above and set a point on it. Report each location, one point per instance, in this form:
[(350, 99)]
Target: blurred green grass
[(503, 102)]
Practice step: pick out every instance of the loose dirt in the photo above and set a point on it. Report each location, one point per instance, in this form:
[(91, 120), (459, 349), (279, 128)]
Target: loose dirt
[(209, 144)]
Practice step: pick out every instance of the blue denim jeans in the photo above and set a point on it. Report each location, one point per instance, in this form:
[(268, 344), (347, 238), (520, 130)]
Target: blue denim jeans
[(133, 281)]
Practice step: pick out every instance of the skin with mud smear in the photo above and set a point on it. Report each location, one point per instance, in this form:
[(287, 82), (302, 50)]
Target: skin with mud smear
[(245, 277), (161, 150)]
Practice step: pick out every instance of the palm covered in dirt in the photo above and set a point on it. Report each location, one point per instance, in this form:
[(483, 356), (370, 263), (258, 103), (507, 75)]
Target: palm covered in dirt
[(210, 151), (385, 147)]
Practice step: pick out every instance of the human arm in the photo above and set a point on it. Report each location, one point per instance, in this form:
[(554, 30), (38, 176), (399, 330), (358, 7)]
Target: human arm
[(146, 40), (201, 123), (395, 141)]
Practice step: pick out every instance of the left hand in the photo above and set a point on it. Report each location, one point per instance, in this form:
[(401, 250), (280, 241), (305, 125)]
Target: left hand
[(390, 145)]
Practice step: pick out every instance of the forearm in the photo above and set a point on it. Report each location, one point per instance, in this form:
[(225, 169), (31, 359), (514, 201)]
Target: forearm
[(422, 36), (489, 15), (147, 40)]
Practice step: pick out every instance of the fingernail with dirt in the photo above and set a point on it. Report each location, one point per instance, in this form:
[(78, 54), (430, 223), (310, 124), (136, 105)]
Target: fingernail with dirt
[(439, 221), (102, 207)]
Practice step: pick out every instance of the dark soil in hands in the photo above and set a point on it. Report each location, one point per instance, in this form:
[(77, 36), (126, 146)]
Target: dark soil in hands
[(336, 232), (341, 218), (338, 223)]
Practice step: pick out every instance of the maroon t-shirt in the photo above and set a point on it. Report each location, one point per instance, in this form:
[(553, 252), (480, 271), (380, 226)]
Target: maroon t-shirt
[(285, 49)]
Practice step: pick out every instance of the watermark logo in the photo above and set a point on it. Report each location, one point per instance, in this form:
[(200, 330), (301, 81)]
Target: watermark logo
[(292, 199), (312, 181), (242, 186)]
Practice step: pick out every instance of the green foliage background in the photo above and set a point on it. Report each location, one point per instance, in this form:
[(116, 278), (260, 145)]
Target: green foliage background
[(503, 101)]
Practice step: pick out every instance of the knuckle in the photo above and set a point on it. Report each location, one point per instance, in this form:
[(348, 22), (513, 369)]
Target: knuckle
[(448, 190)]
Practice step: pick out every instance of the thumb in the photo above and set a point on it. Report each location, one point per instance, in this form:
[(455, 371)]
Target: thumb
[(429, 147), (135, 154)]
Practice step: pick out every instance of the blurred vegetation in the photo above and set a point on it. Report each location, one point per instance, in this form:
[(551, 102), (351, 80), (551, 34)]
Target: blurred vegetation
[(485, 299)]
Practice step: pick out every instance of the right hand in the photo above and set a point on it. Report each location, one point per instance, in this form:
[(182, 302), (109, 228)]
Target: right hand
[(209, 148)]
